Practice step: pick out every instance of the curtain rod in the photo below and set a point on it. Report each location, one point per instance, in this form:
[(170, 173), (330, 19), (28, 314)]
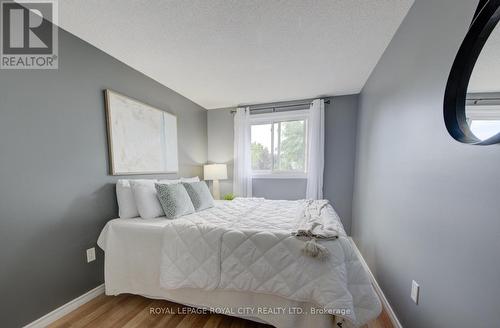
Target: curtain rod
[(475, 101), (482, 99), (278, 106)]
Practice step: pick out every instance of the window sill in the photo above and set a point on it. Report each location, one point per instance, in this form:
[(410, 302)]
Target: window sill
[(279, 176)]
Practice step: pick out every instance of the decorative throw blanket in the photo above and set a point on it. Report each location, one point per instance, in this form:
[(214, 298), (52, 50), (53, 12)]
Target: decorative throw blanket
[(312, 225), (247, 245)]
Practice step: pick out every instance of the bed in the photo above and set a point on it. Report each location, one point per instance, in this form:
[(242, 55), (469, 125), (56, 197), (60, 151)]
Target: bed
[(239, 258)]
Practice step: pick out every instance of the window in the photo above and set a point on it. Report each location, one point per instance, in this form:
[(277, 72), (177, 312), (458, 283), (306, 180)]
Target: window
[(279, 144), (483, 129), (483, 120)]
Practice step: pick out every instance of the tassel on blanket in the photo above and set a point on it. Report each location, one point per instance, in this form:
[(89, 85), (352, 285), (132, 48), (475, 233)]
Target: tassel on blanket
[(312, 225), (313, 249)]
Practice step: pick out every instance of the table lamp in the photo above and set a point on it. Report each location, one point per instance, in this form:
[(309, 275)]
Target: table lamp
[(215, 172)]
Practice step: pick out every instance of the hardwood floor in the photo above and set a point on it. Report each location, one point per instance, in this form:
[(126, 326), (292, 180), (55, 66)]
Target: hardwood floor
[(131, 311)]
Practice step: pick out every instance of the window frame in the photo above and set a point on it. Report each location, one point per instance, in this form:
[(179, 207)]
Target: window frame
[(277, 117)]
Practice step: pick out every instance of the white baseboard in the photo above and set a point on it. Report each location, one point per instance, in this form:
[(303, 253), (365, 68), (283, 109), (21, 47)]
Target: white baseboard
[(66, 308), (378, 290)]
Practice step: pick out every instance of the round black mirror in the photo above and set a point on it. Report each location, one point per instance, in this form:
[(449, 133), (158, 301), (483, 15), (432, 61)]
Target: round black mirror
[(472, 97)]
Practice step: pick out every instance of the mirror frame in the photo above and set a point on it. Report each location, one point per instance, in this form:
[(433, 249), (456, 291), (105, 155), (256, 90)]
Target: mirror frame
[(485, 19)]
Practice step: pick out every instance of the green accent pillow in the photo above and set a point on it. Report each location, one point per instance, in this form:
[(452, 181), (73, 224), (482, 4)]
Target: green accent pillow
[(174, 200), (200, 195)]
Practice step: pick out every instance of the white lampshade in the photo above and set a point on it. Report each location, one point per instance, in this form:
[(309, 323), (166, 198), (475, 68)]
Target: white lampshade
[(215, 171)]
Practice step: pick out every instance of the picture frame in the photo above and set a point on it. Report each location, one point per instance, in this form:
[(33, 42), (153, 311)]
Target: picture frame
[(142, 139)]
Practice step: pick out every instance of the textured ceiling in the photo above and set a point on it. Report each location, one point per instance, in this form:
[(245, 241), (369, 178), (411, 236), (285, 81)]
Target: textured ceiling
[(222, 53)]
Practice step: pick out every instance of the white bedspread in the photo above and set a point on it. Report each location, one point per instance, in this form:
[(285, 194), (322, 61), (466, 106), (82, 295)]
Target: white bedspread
[(132, 265), (246, 245)]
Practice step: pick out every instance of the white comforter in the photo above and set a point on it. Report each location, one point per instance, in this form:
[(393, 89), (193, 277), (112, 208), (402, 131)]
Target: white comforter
[(246, 245)]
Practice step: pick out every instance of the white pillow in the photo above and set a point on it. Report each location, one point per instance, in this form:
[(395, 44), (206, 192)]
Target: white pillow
[(146, 198), (170, 181), (126, 202), (189, 180)]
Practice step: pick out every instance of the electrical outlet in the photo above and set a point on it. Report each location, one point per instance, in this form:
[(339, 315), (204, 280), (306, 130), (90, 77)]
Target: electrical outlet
[(415, 289), (90, 254)]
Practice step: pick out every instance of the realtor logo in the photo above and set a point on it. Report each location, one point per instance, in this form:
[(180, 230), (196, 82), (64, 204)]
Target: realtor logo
[(29, 38)]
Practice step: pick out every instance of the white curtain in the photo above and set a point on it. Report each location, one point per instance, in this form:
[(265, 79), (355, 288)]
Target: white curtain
[(316, 150), (242, 178)]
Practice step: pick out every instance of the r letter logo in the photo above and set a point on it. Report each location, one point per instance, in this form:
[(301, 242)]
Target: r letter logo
[(29, 38)]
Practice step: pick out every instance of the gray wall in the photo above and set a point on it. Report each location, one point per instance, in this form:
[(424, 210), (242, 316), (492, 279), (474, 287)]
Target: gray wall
[(55, 191), (340, 134), (221, 142), (340, 152), (426, 207), (290, 189)]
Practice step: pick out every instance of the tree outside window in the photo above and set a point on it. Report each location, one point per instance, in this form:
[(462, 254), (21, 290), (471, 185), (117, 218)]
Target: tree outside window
[(279, 147)]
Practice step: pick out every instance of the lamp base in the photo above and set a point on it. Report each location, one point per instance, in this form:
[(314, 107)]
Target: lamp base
[(216, 189)]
